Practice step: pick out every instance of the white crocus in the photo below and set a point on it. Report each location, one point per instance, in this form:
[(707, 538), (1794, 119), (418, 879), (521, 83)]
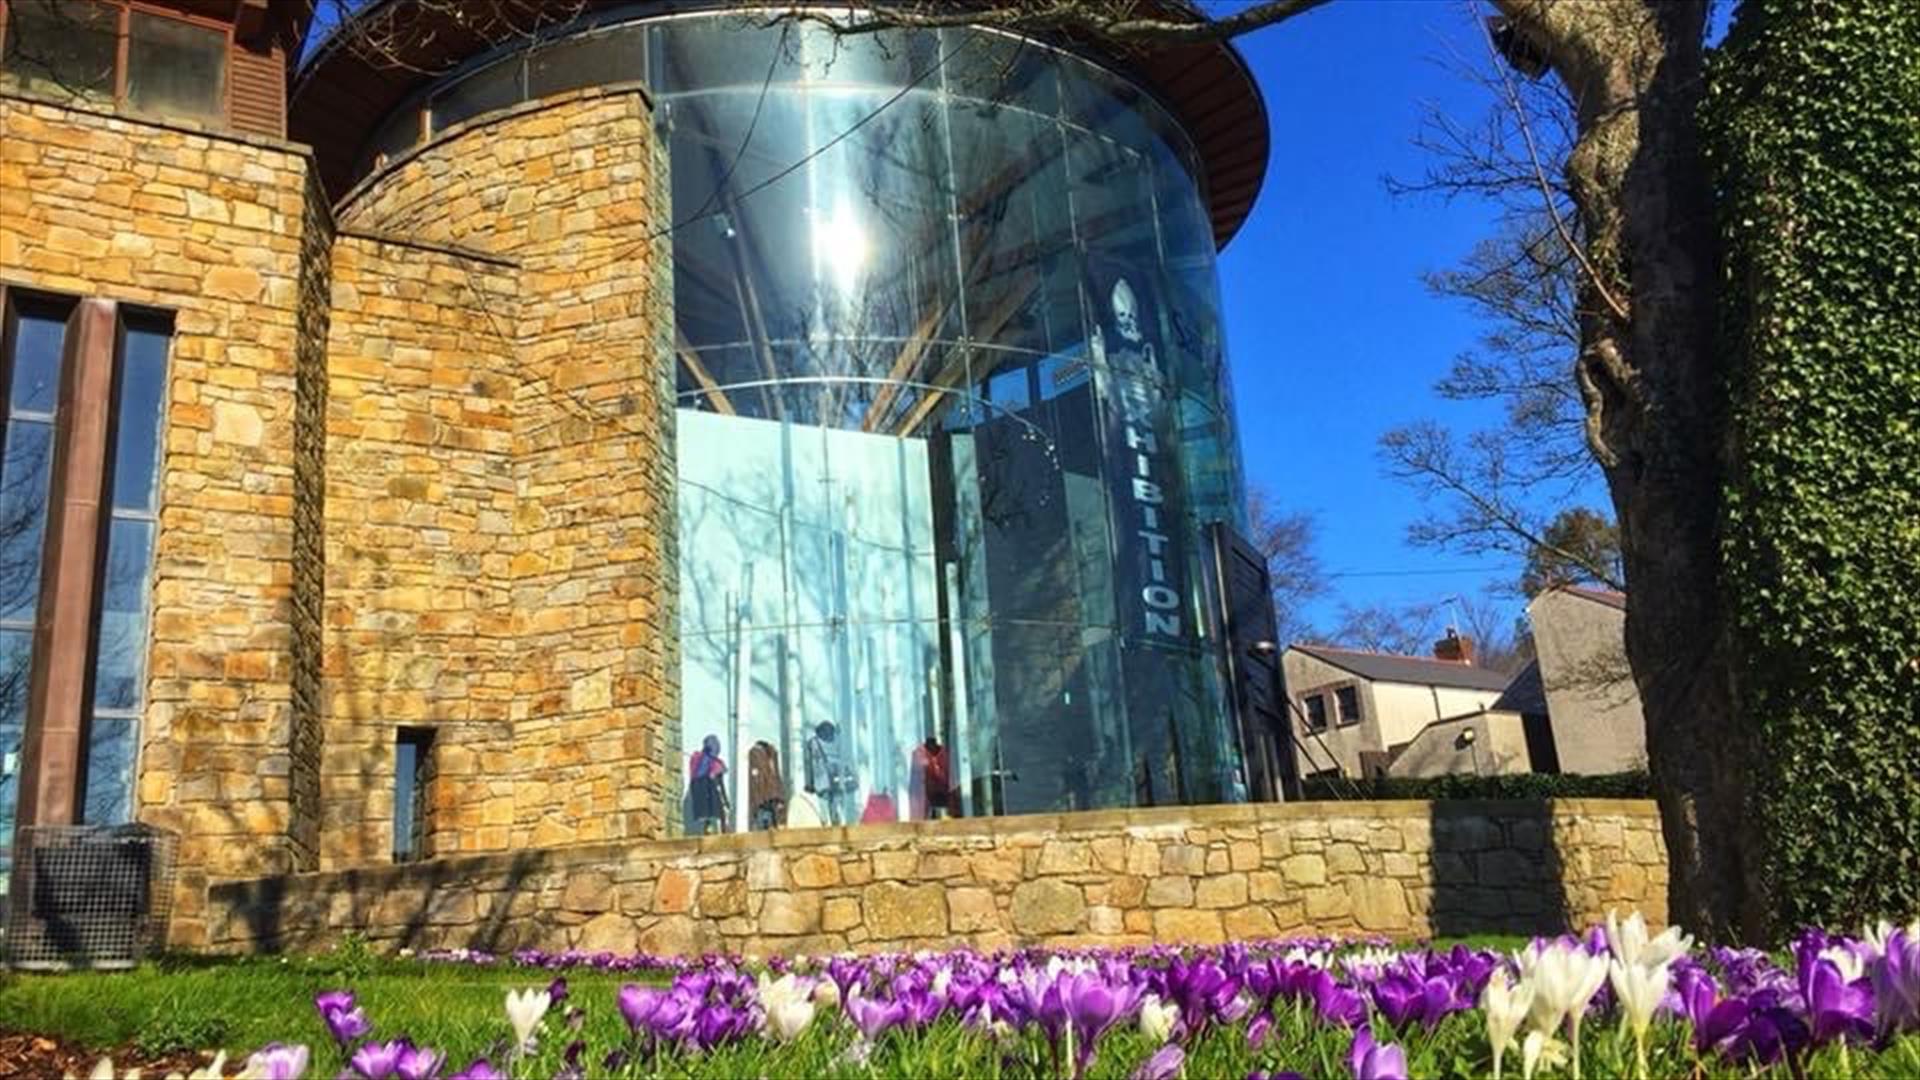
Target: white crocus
[(214, 1069), (1157, 1019), (1565, 978), (1632, 945), (788, 1004), (1540, 1050), (826, 993), (1506, 1008), (525, 1008), (1875, 937), (1639, 991)]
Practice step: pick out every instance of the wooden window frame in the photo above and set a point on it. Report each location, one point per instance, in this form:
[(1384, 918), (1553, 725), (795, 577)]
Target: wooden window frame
[(123, 38), (1306, 712), (1359, 703)]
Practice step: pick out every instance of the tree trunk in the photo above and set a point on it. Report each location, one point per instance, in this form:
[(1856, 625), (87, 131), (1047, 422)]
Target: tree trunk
[(1652, 383)]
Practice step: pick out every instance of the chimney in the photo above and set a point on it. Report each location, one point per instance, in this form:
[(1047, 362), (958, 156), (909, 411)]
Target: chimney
[(1454, 647)]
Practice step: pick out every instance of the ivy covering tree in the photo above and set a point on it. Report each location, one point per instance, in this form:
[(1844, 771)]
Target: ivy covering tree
[(1814, 126)]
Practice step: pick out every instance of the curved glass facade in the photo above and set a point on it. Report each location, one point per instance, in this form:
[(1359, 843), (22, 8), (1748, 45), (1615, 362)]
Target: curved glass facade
[(953, 416)]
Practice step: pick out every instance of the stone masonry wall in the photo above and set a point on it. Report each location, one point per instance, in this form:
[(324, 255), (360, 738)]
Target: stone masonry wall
[(419, 544), (1198, 874), (503, 530), (228, 233)]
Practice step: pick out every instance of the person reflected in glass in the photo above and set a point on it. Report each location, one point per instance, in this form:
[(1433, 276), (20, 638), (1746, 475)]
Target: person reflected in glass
[(766, 791), (707, 809), (826, 776), (930, 792)]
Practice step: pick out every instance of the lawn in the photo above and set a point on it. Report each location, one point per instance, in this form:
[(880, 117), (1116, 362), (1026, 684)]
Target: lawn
[(1239, 1011)]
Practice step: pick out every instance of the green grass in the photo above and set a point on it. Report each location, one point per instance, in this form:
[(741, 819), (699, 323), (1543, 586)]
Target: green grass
[(241, 1005)]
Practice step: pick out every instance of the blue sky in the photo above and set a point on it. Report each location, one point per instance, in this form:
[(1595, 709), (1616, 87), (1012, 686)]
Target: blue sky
[(1332, 336)]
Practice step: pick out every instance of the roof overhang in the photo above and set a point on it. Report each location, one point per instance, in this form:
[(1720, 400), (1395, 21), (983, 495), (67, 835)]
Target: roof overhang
[(350, 85)]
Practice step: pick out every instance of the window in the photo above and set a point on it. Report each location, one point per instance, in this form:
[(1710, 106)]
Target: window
[(72, 50), (1316, 712), (175, 68), (51, 349), (412, 776), (1347, 705), (120, 634)]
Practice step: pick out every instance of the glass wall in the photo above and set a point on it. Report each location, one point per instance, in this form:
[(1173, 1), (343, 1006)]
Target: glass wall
[(953, 416)]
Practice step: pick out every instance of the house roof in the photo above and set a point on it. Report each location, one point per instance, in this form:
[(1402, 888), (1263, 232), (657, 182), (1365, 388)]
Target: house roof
[(1418, 670), (1612, 599), (1527, 693)]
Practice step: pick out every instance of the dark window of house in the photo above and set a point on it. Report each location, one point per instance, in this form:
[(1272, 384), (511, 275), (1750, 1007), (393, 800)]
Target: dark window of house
[(61, 49), (1348, 704), (1317, 712), (175, 68), (412, 772)]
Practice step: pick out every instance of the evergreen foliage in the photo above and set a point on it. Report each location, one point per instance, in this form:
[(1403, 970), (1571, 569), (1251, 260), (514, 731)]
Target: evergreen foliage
[(1813, 128)]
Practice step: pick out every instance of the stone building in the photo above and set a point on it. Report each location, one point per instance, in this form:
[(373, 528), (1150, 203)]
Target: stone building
[(490, 438)]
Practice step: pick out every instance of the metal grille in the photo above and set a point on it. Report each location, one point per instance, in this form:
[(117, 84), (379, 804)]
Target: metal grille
[(89, 896)]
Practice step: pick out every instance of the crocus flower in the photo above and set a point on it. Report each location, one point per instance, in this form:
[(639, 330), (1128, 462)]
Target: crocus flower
[(637, 1005), (1896, 982), (1565, 978), (347, 1025), (872, 1017), (276, 1061), (1540, 1050), (788, 1005), (1370, 1060), (333, 1001), (1630, 943), (419, 1062), (1639, 990), (1836, 1007), (1259, 1029), (1164, 1064), (1506, 1009), (525, 1008), (1158, 1019), (377, 1061), (480, 1069), (557, 990)]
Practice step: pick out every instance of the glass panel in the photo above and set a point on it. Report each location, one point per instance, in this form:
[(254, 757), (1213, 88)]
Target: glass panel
[(406, 767), (34, 375), (138, 399), (112, 746), (176, 68), (950, 416), (490, 88), (618, 55), (121, 657), (60, 48), (16, 650), (24, 472)]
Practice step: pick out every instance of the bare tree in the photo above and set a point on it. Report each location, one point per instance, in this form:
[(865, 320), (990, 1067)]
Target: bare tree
[(1289, 540)]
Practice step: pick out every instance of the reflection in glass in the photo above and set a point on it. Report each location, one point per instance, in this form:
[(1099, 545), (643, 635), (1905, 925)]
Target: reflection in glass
[(16, 652), (60, 49), (949, 429), (112, 743), (175, 68), (26, 462)]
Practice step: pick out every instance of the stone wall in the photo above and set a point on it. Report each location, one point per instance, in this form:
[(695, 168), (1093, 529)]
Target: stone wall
[(228, 233), (501, 518), (1198, 874)]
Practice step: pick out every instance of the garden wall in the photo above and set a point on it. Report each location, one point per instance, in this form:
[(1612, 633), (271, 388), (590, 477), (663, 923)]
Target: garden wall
[(1185, 874)]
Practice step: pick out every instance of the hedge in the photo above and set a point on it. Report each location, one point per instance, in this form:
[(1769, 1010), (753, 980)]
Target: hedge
[(1626, 785)]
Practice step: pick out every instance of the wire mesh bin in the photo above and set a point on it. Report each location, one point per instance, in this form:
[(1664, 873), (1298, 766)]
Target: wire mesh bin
[(89, 896)]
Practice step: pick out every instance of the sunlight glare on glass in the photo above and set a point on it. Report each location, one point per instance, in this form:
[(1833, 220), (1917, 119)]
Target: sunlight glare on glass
[(840, 246)]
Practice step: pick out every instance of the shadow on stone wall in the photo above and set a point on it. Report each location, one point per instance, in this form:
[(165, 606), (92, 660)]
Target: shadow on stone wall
[(1496, 869)]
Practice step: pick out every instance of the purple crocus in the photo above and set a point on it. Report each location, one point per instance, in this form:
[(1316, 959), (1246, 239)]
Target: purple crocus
[(347, 1025), (480, 1069), (637, 1005), (418, 1062), (1835, 1008), (377, 1061), (1334, 1003), (557, 990), (277, 1061), (1895, 974), (1164, 1064), (1258, 1030), (873, 1017), (1370, 1060)]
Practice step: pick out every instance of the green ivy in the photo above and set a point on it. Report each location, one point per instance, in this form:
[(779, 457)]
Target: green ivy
[(1626, 785), (1813, 128)]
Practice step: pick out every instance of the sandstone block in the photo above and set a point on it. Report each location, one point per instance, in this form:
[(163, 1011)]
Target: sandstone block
[(785, 914), (893, 910), (1047, 907), (839, 913), (589, 891), (1225, 891), (1249, 923), (1186, 926), (1170, 892), (722, 898), (1304, 869), (673, 893), (1183, 859), (815, 871), (1065, 857), (972, 910), (1380, 904)]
